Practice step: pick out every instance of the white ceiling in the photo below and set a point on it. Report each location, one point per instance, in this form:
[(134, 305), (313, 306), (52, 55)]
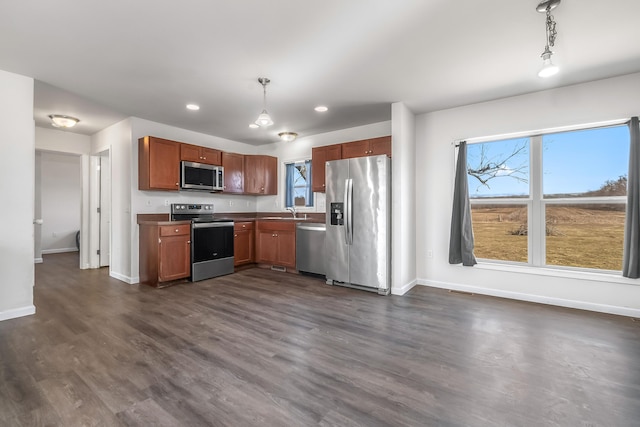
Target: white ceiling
[(103, 61)]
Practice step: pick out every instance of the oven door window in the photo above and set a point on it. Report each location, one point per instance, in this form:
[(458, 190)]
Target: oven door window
[(212, 243)]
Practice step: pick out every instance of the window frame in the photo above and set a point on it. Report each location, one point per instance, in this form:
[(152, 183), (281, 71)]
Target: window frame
[(537, 204), (284, 186)]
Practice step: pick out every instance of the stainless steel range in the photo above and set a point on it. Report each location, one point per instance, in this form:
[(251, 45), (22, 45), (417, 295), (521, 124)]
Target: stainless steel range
[(211, 240)]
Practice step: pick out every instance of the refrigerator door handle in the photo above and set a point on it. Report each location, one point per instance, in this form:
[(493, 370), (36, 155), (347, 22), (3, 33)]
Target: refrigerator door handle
[(348, 217), (345, 211)]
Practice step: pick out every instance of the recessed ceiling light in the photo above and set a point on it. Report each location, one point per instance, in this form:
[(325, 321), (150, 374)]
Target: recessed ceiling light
[(321, 108), (253, 126), (193, 107)]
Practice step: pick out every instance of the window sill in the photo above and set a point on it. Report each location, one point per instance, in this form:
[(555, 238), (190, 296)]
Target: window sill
[(558, 272)]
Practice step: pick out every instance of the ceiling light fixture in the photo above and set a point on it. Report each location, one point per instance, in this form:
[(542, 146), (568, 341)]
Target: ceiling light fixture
[(321, 108), (253, 126), (264, 119), (193, 107), (548, 67), (288, 136), (61, 121)]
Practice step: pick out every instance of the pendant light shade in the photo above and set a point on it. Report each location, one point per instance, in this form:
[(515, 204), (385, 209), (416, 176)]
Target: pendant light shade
[(264, 119)]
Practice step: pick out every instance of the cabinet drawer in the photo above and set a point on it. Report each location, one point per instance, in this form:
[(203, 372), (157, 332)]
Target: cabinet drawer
[(175, 230), (276, 225), (244, 225)]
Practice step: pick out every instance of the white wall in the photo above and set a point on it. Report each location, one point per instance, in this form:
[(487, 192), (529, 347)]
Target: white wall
[(580, 104), (17, 177), (52, 139), (403, 216), (60, 190), (117, 139)]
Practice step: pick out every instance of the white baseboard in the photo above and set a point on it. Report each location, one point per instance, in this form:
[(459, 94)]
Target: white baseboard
[(404, 289), (540, 299), (17, 312), (37, 260), (58, 251), (123, 278)]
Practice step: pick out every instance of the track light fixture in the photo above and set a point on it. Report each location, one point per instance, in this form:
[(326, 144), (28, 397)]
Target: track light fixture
[(548, 67)]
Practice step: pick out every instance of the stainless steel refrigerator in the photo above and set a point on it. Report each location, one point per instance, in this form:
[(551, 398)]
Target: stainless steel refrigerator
[(358, 236)]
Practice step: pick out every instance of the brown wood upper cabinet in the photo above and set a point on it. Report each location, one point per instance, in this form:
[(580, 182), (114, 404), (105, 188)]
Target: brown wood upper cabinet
[(158, 164), (233, 172), (195, 153), (367, 147), (319, 156), (260, 174)]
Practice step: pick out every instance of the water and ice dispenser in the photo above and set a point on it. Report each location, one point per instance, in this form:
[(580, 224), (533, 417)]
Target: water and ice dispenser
[(337, 213)]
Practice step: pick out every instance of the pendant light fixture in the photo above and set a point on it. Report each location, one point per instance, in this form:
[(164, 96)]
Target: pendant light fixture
[(264, 119), (548, 67)]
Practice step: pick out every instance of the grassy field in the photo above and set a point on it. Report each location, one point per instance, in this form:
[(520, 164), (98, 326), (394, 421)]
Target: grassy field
[(576, 236)]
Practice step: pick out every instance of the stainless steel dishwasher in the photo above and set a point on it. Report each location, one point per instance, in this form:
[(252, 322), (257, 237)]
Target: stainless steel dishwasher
[(310, 247)]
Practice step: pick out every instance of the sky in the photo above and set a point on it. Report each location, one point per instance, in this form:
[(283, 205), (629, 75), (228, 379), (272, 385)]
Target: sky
[(573, 162)]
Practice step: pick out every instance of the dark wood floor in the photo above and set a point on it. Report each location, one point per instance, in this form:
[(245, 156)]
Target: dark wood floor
[(273, 349)]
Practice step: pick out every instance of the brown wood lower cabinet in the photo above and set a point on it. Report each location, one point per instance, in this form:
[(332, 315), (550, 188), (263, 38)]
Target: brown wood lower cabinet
[(276, 243), (165, 253), (243, 243)]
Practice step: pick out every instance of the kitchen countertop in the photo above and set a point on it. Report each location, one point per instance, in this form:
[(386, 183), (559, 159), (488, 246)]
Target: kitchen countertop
[(163, 219)]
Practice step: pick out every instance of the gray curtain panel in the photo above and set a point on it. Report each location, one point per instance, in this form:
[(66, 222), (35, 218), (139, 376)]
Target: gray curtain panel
[(461, 238), (631, 257)]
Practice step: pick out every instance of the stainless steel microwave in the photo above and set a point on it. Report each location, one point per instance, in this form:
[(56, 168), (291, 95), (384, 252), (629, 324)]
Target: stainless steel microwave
[(199, 176)]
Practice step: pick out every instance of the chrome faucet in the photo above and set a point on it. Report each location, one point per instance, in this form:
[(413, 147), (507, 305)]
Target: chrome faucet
[(292, 209)]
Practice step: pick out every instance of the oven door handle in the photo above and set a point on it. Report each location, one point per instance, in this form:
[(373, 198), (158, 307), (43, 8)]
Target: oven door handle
[(212, 224)]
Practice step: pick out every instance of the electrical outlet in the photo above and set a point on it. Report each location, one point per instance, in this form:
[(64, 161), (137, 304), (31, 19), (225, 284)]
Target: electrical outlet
[(230, 203), (148, 202), (166, 203), (429, 253)]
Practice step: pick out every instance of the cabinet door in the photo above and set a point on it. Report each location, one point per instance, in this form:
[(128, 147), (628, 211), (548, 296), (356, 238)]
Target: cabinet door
[(270, 169), (233, 172), (243, 243), (286, 248), (355, 149), (195, 153), (261, 174), (158, 164), (380, 145), (266, 246), (254, 171), (189, 153), (175, 258), (210, 156), (319, 156)]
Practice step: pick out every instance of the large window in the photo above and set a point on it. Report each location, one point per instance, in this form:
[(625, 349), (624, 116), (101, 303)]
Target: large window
[(298, 191), (551, 200)]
